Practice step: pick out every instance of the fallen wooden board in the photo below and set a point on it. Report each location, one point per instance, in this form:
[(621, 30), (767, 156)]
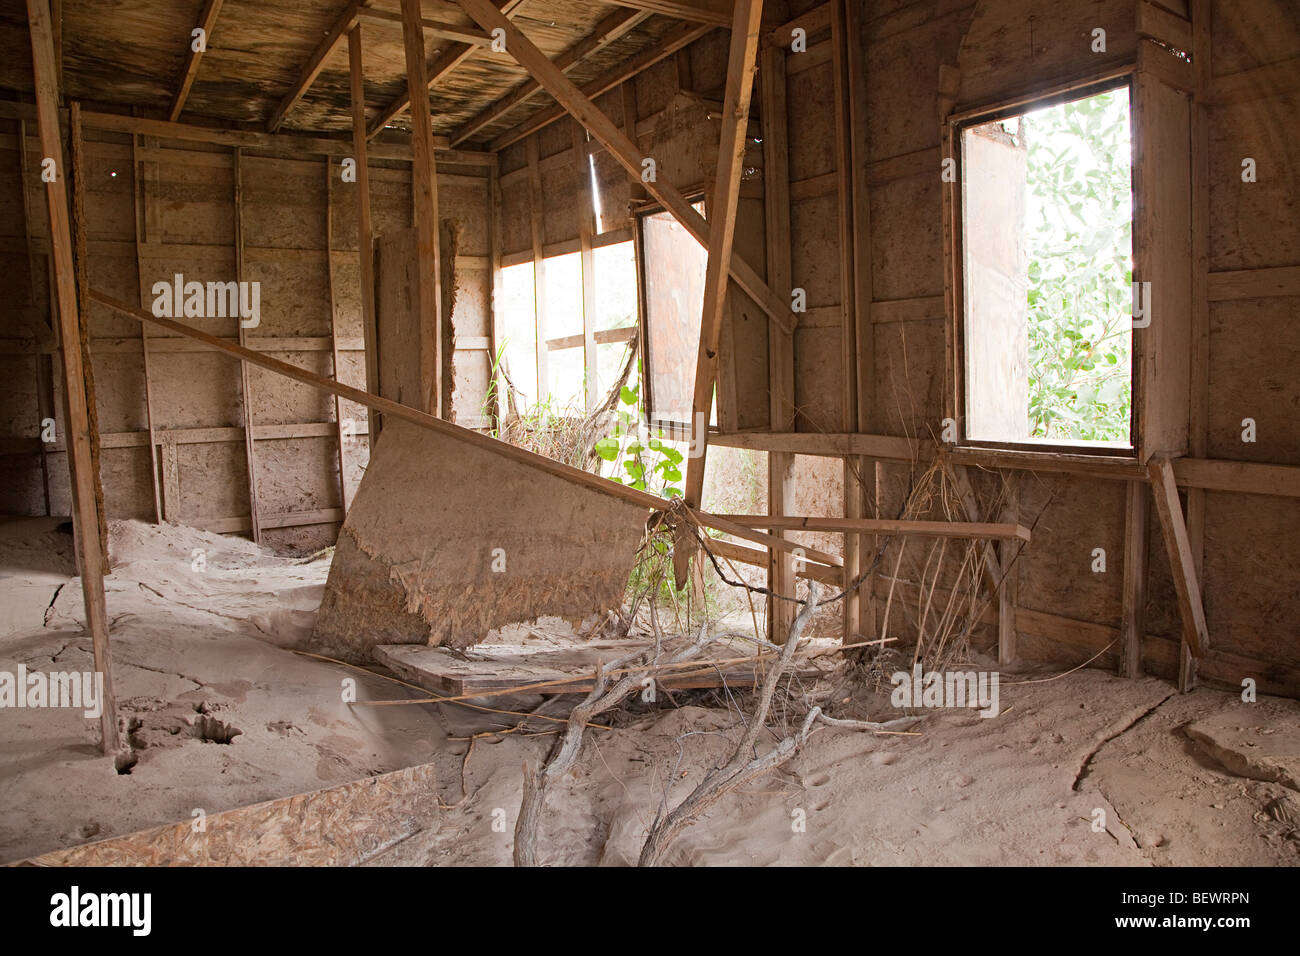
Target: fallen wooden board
[(567, 669), (346, 825), (929, 529)]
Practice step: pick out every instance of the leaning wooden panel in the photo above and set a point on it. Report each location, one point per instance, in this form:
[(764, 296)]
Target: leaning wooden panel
[(339, 826), (446, 541)]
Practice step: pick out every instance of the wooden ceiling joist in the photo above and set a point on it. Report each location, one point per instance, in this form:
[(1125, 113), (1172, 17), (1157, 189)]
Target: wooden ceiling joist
[(676, 39), (437, 28), (716, 13), (443, 65), (342, 24), (207, 20), (609, 29), (622, 149)]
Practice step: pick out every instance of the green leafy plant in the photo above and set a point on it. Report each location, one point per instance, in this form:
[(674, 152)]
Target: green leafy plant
[(1080, 268), (653, 465)]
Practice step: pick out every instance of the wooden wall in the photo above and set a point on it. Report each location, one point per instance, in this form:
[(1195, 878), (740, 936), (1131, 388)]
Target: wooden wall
[(173, 210)]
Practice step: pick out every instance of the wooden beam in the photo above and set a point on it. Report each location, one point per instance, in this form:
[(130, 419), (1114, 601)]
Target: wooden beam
[(741, 64), (340, 432), (1182, 564), (672, 41), (85, 523), (388, 407), (365, 232), (586, 226), (424, 195), (1009, 587), (1132, 624), (814, 21), (344, 22), (207, 20), (141, 217), (1251, 283), (246, 385), (925, 529), (446, 62), (620, 147), (608, 30), (535, 225), (815, 572), (716, 13)]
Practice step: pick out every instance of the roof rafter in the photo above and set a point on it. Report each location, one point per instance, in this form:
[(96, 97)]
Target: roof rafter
[(716, 13), (207, 20), (346, 19)]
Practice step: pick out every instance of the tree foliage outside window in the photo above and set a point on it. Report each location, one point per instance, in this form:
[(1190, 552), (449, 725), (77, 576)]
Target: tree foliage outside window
[(1079, 237)]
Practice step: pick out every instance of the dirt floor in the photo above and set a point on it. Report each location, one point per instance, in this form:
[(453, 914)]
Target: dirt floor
[(202, 631)]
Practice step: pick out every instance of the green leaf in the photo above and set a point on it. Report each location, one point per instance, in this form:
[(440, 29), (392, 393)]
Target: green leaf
[(607, 448)]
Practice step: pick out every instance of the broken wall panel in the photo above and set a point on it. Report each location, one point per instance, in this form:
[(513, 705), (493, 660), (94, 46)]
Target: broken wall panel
[(446, 541)]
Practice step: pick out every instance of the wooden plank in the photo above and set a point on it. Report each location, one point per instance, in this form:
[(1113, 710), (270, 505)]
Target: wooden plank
[(1257, 83), (90, 564), (1181, 561), (829, 445), (441, 29), (669, 44), (443, 66), (615, 25), (1132, 626), (139, 214), (586, 226), (207, 20), (741, 64), (334, 333), (344, 22), (1009, 590), (246, 389), (1244, 477), (539, 265), (996, 531), (924, 308), (814, 21), (814, 572), (365, 231), (424, 197), (1253, 283), (1167, 28), (424, 420), (716, 13)]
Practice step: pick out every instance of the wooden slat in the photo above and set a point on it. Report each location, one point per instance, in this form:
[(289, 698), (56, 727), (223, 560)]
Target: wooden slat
[(435, 28), (1254, 283), (609, 29), (246, 385), (1159, 24), (140, 214), (1181, 561), (441, 67), (536, 226), (1132, 626), (741, 63), (207, 20), (586, 227), (424, 197), (365, 234), (620, 147), (334, 333), (814, 21), (344, 22), (926, 529), (716, 13), (424, 420), (90, 564)]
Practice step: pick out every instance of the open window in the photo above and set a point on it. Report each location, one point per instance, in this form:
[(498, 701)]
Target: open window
[(1047, 274)]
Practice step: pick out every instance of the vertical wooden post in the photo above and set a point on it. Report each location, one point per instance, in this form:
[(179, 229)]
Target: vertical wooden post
[(44, 404), (424, 191), (1008, 595), (334, 331), (81, 259), (85, 518), (586, 226), (1132, 625), (365, 236), (781, 408), (539, 263), (246, 392), (745, 27), (495, 316), (138, 209), (627, 93)]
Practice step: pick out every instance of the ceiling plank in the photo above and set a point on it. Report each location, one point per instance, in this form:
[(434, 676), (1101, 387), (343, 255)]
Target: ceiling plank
[(609, 29), (446, 62), (207, 20), (716, 13), (670, 43), (342, 24), (437, 28)]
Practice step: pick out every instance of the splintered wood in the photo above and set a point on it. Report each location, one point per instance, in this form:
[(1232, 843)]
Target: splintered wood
[(570, 667), (446, 541)]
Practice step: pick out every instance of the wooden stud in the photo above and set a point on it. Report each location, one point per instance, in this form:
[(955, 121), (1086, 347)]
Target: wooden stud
[(1009, 589), (424, 194), (620, 147), (246, 391), (334, 332), (1181, 561), (611, 28), (496, 317), (1132, 624), (365, 234), (207, 20), (140, 200), (741, 64), (587, 225), (44, 389), (85, 523), (539, 266)]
